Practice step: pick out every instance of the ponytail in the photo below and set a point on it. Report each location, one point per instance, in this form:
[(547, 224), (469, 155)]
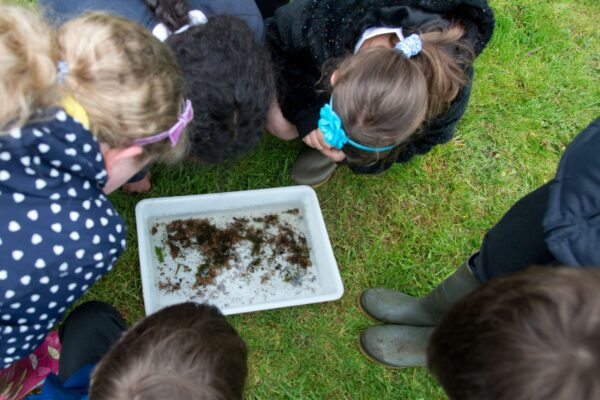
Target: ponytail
[(172, 13), (127, 81), (443, 59), (27, 66), (383, 95)]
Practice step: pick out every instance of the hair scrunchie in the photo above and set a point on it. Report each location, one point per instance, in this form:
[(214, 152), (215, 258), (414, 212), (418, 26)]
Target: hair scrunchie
[(410, 46), (62, 70)]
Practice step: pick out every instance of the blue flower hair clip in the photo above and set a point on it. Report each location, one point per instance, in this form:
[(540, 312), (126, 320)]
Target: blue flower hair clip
[(410, 45), (331, 126)]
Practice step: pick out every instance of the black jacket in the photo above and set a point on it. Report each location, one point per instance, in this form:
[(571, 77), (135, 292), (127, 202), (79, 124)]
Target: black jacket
[(304, 34), (572, 219)]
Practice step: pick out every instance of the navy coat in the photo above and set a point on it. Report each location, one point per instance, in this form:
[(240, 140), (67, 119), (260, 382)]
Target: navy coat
[(572, 219), (58, 232)]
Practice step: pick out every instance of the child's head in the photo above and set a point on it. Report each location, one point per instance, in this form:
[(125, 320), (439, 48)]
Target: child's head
[(186, 351), (126, 81), (229, 78), (383, 96), (533, 335)]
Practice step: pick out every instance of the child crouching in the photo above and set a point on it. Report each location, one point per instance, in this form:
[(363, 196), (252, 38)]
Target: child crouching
[(82, 110)]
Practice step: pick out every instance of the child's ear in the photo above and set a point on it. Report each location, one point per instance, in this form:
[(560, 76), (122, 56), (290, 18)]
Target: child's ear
[(121, 164), (114, 154), (333, 78)]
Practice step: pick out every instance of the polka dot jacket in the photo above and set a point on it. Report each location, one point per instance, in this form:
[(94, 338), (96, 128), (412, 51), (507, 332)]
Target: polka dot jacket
[(58, 232)]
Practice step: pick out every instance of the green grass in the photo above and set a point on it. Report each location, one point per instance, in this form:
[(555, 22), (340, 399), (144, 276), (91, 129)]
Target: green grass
[(536, 87)]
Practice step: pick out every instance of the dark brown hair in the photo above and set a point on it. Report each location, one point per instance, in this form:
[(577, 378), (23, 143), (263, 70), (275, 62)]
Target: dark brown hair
[(383, 97), (530, 336), (186, 351)]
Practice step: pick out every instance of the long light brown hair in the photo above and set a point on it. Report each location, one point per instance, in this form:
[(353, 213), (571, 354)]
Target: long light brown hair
[(27, 66), (125, 79), (384, 97)]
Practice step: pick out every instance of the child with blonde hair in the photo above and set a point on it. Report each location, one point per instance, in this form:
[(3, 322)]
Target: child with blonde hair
[(82, 110), (226, 68), (395, 74)]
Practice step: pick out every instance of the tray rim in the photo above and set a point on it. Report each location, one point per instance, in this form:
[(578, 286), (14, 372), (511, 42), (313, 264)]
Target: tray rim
[(301, 190)]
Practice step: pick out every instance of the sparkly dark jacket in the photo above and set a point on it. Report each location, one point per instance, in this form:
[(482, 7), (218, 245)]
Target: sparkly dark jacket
[(304, 34)]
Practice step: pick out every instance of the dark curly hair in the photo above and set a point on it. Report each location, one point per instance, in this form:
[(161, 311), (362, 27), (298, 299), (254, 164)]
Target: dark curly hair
[(228, 76)]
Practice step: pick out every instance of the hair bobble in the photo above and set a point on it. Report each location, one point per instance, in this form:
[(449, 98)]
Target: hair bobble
[(62, 70), (410, 46)]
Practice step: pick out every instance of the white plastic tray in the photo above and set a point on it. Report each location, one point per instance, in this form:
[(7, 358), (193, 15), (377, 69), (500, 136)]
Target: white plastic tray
[(328, 283)]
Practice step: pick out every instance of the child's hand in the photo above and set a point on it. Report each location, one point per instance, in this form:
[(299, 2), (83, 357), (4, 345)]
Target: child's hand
[(334, 154), (141, 186), (316, 140)]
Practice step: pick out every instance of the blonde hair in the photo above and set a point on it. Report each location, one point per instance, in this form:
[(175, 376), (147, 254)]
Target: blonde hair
[(126, 80), (27, 66), (384, 97)]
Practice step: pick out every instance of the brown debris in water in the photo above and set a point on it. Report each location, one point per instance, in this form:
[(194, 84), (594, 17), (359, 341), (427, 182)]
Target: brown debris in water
[(169, 286), (218, 246), (294, 245), (269, 220)]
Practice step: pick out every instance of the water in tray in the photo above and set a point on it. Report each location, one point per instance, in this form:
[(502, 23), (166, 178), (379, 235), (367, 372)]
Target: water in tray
[(234, 258)]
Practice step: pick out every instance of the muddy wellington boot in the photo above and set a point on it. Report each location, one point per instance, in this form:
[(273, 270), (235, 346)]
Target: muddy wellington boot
[(312, 168), (404, 344), (396, 346), (395, 307)]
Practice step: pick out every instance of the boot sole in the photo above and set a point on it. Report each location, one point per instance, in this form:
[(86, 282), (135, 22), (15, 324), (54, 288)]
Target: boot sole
[(316, 185)]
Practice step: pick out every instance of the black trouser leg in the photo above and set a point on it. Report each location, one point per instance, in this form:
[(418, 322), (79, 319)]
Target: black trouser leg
[(86, 336), (267, 7), (516, 242)]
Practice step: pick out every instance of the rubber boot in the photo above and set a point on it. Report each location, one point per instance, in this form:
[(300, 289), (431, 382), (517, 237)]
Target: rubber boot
[(396, 346), (395, 307), (312, 168)]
